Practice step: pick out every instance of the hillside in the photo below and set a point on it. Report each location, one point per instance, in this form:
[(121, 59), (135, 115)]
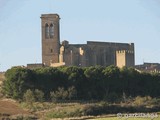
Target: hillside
[(1, 77), (9, 108)]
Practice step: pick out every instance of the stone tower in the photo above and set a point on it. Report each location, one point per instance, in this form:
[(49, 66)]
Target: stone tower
[(50, 38), (125, 58)]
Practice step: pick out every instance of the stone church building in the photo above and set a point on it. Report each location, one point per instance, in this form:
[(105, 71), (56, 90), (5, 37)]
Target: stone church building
[(93, 53)]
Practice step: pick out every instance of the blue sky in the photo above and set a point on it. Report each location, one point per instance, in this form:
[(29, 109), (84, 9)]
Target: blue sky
[(126, 21)]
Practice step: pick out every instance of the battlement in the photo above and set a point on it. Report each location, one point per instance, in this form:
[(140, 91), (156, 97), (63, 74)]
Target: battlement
[(50, 16), (125, 51)]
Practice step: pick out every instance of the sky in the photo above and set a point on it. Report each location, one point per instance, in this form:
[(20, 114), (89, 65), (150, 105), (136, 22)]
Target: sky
[(124, 21)]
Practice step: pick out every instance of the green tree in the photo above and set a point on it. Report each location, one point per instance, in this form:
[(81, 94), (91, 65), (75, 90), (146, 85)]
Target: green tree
[(130, 81), (17, 82), (94, 78), (48, 79), (111, 81), (75, 77)]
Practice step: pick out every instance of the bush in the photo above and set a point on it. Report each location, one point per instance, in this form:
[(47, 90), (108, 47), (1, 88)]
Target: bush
[(62, 94), (141, 101), (29, 97), (33, 96), (39, 95), (72, 93)]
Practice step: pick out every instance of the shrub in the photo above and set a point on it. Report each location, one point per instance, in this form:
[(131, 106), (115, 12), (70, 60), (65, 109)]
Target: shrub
[(33, 96), (141, 101), (29, 97), (39, 95), (62, 94)]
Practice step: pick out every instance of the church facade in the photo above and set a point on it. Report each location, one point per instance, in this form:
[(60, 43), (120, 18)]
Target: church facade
[(92, 53)]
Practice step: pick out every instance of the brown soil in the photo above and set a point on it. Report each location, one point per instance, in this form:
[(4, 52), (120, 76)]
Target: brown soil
[(11, 107)]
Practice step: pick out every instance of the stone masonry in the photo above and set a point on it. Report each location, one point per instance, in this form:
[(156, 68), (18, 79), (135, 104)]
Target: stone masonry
[(90, 54)]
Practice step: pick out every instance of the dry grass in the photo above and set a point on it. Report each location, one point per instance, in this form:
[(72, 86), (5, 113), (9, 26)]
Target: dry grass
[(116, 118), (1, 76)]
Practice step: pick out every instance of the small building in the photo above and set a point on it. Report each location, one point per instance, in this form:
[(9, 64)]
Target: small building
[(36, 65), (148, 67)]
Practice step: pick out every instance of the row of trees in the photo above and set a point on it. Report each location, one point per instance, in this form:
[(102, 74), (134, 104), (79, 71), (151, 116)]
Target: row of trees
[(90, 83)]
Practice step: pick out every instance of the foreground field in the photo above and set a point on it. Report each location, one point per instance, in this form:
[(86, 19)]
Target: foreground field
[(116, 118), (47, 111), (11, 107)]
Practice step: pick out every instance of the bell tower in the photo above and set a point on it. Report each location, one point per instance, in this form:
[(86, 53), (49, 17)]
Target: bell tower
[(50, 38)]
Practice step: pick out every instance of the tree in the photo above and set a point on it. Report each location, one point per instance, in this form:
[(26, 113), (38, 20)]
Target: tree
[(75, 77), (111, 81), (94, 78), (16, 83), (48, 79)]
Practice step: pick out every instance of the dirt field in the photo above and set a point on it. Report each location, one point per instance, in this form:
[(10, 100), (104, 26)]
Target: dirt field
[(11, 107)]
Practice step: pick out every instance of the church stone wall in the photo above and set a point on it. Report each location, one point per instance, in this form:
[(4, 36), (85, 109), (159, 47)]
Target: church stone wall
[(98, 53), (90, 54)]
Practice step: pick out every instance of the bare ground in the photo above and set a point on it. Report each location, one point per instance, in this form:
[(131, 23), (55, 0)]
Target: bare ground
[(11, 107)]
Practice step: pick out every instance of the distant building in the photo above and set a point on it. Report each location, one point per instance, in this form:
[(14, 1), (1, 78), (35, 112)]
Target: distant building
[(35, 65), (148, 67), (93, 53)]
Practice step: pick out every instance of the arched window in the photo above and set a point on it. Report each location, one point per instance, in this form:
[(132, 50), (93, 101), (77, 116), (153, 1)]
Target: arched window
[(46, 31), (51, 31)]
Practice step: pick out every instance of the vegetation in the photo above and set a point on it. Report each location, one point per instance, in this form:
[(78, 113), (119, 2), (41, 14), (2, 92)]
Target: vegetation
[(76, 83), (116, 118), (62, 94), (32, 96), (66, 110), (55, 90)]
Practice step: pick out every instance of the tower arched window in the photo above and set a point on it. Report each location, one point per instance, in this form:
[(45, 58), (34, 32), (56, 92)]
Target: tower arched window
[(46, 31), (51, 31)]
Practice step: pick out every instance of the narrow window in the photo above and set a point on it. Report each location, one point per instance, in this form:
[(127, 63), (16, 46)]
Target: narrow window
[(46, 31), (51, 51), (51, 31)]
